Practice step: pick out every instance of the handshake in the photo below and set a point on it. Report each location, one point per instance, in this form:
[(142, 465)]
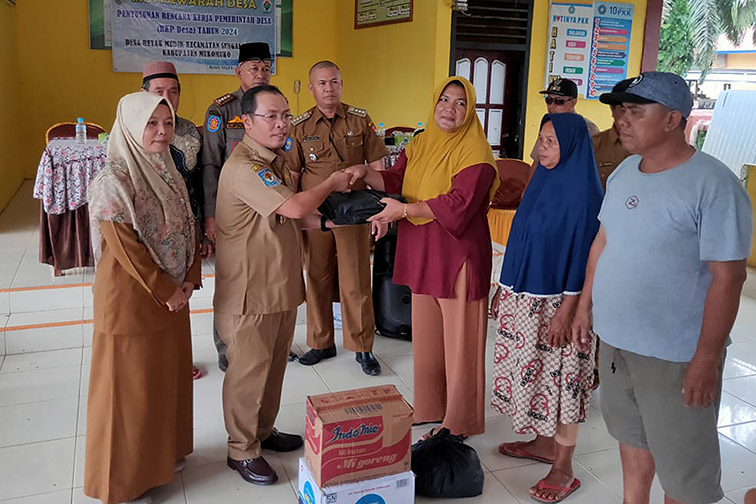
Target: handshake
[(343, 180)]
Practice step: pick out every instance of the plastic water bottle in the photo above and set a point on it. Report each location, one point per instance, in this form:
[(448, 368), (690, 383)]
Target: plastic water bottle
[(81, 131), (381, 130), (419, 129)]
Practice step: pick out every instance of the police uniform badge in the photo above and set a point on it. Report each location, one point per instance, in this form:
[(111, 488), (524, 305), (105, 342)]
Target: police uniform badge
[(288, 144), (213, 123)]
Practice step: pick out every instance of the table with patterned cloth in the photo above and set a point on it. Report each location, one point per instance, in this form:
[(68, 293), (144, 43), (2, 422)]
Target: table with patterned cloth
[(63, 176)]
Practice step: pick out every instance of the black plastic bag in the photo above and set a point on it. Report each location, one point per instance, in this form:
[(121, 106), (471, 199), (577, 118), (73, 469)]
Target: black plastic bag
[(446, 467), (347, 209)]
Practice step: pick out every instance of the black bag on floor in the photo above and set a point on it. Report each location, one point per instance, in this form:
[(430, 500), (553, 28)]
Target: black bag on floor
[(446, 467)]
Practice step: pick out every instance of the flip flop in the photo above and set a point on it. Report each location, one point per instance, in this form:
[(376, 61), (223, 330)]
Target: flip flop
[(196, 373), (564, 491), (515, 450)]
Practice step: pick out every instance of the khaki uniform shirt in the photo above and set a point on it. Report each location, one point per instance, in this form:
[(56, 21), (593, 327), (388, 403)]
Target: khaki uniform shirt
[(609, 153), (224, 129), (258, 264), (321, 146)]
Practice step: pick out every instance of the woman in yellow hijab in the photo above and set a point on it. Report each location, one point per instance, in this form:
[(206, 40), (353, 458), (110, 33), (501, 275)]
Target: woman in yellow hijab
[(448, 177)]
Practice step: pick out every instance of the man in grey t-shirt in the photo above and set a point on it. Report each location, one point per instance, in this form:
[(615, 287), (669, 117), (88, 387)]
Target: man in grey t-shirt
[(662, 291)]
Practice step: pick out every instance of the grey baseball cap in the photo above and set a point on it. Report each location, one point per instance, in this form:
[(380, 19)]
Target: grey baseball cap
[(663, 88)]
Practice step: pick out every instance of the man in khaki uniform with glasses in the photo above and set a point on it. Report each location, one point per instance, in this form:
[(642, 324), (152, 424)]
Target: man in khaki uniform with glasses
[(258, 279)]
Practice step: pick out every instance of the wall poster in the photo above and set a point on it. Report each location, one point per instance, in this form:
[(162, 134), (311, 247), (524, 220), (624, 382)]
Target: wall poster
[(369, 13), (199, 36), (100, 35), (589, 43)]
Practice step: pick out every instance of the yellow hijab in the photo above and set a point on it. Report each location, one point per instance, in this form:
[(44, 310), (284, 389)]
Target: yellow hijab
[(435, 157)]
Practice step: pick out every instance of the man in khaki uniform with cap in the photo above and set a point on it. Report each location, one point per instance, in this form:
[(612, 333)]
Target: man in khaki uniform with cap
[(258, 282), (224, 129), (329, 137)]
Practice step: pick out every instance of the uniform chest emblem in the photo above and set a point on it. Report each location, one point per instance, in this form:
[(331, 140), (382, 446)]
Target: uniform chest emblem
[(632, 202), (268, 178), (213, 123), (288, 144)]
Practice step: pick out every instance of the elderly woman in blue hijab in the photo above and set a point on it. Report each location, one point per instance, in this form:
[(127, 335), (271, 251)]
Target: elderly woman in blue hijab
[(541, 379)]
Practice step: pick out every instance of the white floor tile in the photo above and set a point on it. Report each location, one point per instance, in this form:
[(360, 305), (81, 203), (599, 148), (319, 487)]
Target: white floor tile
[(36, 468), (744, 435), (494, 492), (743, 353), (738, 465), (33, 386), (742, 388), (735, 411), (5, 308), (301, 381), (498, 430), (38, 421), (519, 479), (42, 360), (172, 493), (59, 497), (47, 299), (734, 370), (214, 483), (81, 449), (44, 339), (210, 441)]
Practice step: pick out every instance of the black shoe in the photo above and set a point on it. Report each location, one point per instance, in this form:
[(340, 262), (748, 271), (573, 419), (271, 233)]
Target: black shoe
[(256, 471), (222, 362), (314, 356), (370, 366), (281, 442), (293, 357)]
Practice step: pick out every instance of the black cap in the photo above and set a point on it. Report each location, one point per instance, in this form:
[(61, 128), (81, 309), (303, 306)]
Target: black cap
[(620, 87), (254, 51), (561, 87)]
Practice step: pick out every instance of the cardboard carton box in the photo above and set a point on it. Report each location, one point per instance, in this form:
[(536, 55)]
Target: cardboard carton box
[(394, 489), (357, 434)]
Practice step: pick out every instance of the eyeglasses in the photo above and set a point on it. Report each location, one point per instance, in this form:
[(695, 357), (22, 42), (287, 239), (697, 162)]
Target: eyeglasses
[(285, 117), (557, 101)]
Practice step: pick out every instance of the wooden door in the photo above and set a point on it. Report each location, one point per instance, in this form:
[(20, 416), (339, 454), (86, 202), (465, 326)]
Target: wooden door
[(491, 74)]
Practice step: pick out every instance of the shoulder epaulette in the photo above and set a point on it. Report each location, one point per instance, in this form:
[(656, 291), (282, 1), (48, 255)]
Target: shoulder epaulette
[(301, 118), (222, 100), (357, 111)]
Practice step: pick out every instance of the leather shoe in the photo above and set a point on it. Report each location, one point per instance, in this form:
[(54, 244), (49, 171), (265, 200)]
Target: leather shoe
[(370, 366), (256, 471), (314, 356), (281, 442), (293, 356)]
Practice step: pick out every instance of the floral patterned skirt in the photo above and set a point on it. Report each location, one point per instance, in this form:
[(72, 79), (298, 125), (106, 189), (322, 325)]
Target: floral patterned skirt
[(533, 383)]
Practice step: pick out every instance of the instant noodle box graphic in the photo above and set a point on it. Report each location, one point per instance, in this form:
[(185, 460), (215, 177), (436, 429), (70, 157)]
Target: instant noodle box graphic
[(357, 434)]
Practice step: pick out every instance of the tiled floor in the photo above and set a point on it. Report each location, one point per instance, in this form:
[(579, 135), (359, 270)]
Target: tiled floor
[(44, 369)]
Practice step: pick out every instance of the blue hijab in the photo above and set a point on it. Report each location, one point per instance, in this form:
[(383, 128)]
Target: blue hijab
[(557, 219)]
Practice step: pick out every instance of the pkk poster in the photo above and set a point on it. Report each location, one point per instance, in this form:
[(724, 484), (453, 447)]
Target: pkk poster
[(610, 49), (569, 43), (198, 36)]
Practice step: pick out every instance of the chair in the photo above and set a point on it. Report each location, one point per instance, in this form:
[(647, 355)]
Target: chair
[(201, 129), (68, 130), (513, 174)]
